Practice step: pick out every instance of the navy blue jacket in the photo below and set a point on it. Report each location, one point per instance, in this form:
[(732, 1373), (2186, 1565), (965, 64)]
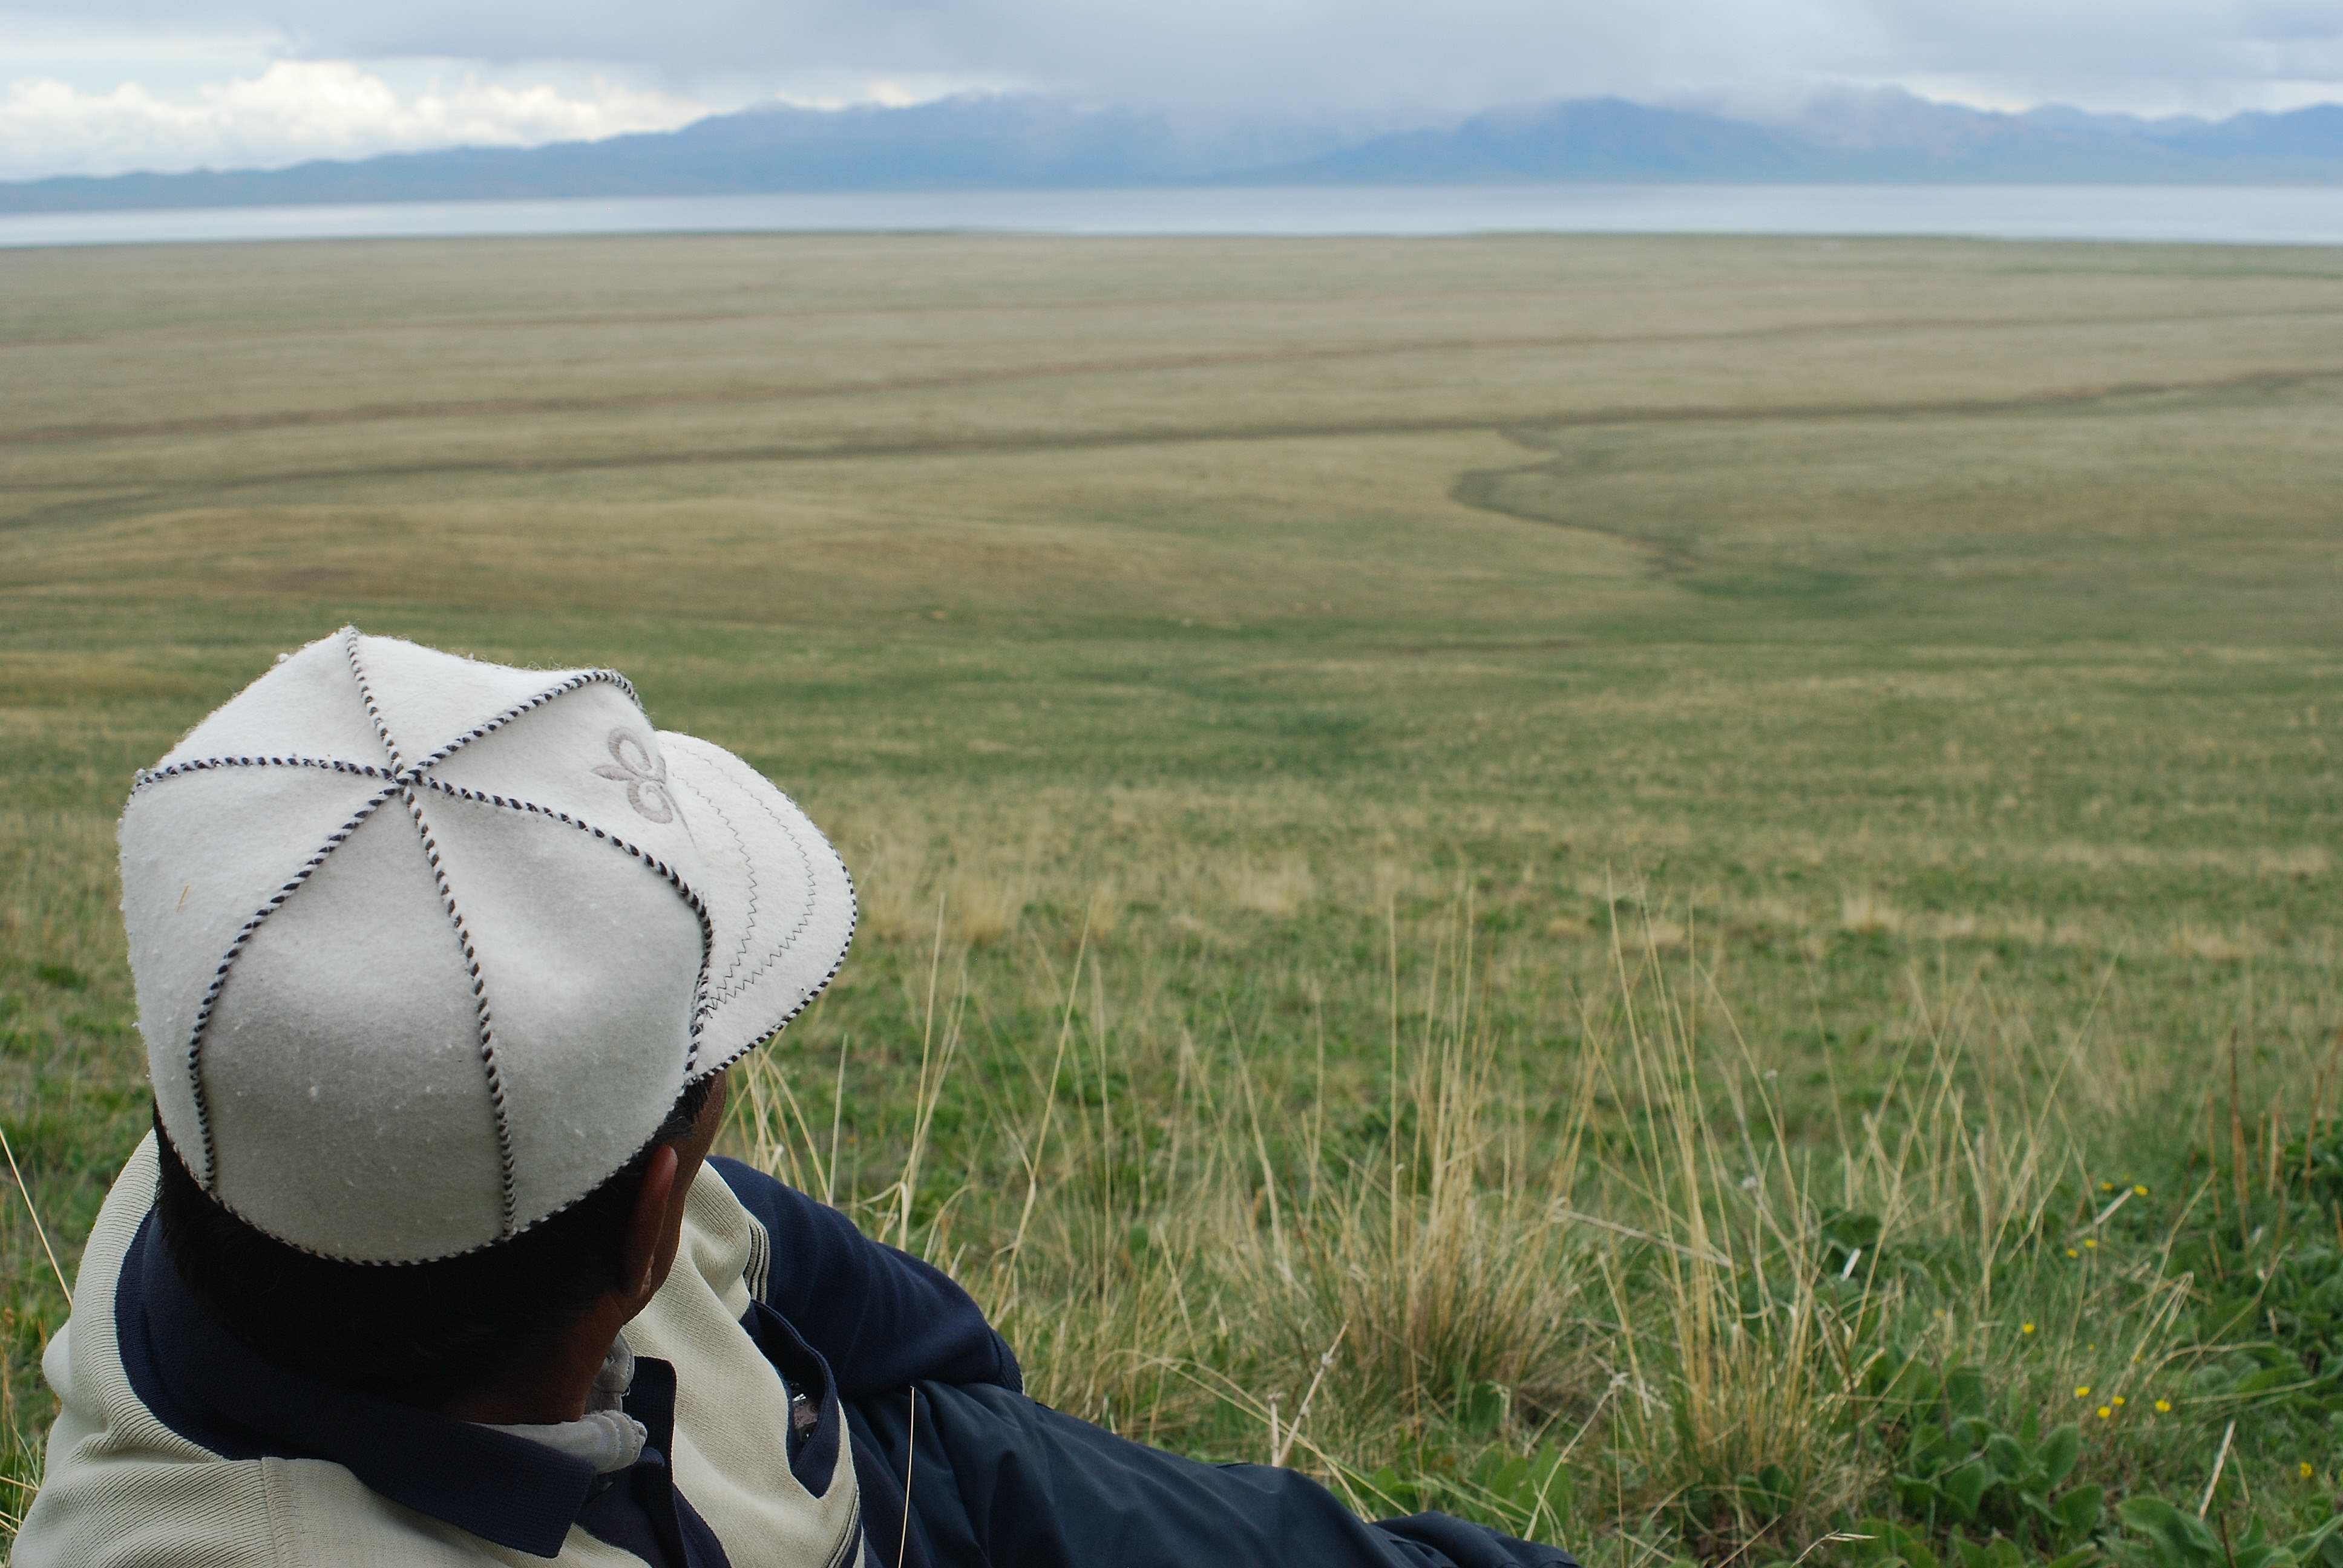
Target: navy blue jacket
[(880, 1317), (832, 1307)]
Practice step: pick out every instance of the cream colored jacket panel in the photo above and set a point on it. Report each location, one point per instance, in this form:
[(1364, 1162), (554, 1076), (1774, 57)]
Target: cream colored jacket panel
[(124, 1491)]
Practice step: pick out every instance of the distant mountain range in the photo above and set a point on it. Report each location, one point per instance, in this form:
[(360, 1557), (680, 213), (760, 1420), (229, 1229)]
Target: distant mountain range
[(1885, 137), (1038, 142)]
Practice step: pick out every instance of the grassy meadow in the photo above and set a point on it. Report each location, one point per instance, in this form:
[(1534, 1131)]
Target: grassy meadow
[(1678, 894)]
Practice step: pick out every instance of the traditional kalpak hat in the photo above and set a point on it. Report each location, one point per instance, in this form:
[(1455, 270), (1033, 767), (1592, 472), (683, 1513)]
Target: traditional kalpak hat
[(426, 948)]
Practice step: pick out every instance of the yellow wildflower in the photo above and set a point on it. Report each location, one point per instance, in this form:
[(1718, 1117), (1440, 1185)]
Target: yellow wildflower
[(2072, 1253), (2082, 1391), (2026, 1328), (2164, 1407), (2105, 1413), (2092, 1243), (2307, 1470), (2118, 1402), (2139, 1190)]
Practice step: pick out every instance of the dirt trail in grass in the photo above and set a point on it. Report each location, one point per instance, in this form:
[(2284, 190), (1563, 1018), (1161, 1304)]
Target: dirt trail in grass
[(743, 396), (1470, 490), (1483, 490)]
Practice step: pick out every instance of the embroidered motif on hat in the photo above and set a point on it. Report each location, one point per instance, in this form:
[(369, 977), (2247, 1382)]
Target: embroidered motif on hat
[(644, 775), (392, 936)]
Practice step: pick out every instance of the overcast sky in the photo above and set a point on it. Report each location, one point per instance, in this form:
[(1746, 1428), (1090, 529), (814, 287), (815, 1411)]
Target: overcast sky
[(104, 86)]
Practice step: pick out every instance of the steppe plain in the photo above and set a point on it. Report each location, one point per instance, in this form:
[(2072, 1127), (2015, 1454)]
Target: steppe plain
[(1680, 894)]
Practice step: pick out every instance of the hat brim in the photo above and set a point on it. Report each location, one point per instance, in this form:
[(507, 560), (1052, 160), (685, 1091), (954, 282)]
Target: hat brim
[(780, 904)]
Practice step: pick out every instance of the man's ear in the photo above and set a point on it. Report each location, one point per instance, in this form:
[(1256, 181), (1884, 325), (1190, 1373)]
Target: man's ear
[(649, 1245)]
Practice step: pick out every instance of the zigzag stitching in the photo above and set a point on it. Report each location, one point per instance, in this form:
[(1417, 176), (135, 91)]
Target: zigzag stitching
[(805, 915), (408, 777), (707, 926), (702, 1005), (853, 919), (740, 949), (813, 993)]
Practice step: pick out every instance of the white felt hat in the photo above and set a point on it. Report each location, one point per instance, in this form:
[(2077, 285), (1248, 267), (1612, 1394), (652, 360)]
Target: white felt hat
[(426, 948)]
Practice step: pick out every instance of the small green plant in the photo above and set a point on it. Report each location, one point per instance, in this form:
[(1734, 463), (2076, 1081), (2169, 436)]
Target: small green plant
[(2316, 1159), (1533, 1491), (1527, 1494), (1960, 1466), (1767, 1494), (2163, 1536), (1884, 1543), (1849, 1238), (65, 976)]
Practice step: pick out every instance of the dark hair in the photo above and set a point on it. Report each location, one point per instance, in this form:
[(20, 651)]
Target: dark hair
[(416, 1332)]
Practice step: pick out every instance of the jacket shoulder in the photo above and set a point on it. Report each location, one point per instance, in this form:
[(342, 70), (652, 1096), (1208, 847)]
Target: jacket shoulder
[(122, 1490)]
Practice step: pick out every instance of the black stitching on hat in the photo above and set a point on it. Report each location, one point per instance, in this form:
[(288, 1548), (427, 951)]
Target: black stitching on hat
[(582, 679), (151, 776), (701, 1013), (813, 993), (316, 1252), (489, 727), (334, 842), (702, 1005), (508, 1196), (366, 693), (853, 919), (403, 779)]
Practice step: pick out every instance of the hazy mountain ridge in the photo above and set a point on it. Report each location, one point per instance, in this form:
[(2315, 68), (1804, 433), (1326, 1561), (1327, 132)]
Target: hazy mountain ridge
[(1886, 136), (1038, 142)]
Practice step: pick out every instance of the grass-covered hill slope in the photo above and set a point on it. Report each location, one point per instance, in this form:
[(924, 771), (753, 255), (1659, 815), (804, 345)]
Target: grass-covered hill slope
[(1680, 893)]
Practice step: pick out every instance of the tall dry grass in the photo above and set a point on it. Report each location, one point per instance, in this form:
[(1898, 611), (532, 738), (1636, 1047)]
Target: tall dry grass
[(1625, 1258), (1617, 1295)]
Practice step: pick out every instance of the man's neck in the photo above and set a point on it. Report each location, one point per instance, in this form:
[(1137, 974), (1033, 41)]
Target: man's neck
[(557, 1387)]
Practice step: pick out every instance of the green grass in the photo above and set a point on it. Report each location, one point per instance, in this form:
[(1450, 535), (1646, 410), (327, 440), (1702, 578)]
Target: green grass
[(1635, 837)]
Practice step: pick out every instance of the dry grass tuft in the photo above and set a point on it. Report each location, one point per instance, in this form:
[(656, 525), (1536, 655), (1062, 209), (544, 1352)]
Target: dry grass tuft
[(984, 906), (1279, 889), (2300, 862), (1625, 1254), (1867, 914), (2217, 947), (893, 898), (1665, 936)]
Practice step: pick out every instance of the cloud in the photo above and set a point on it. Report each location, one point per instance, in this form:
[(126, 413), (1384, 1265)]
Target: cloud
[(298, 109), (324, 78), (1306, 54), (1208, 55), (2175, 41)]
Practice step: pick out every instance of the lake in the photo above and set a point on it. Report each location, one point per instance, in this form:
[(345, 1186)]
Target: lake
[(2226, 215)]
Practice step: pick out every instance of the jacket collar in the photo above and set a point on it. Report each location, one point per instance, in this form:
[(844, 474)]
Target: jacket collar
[(215, 1390)]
